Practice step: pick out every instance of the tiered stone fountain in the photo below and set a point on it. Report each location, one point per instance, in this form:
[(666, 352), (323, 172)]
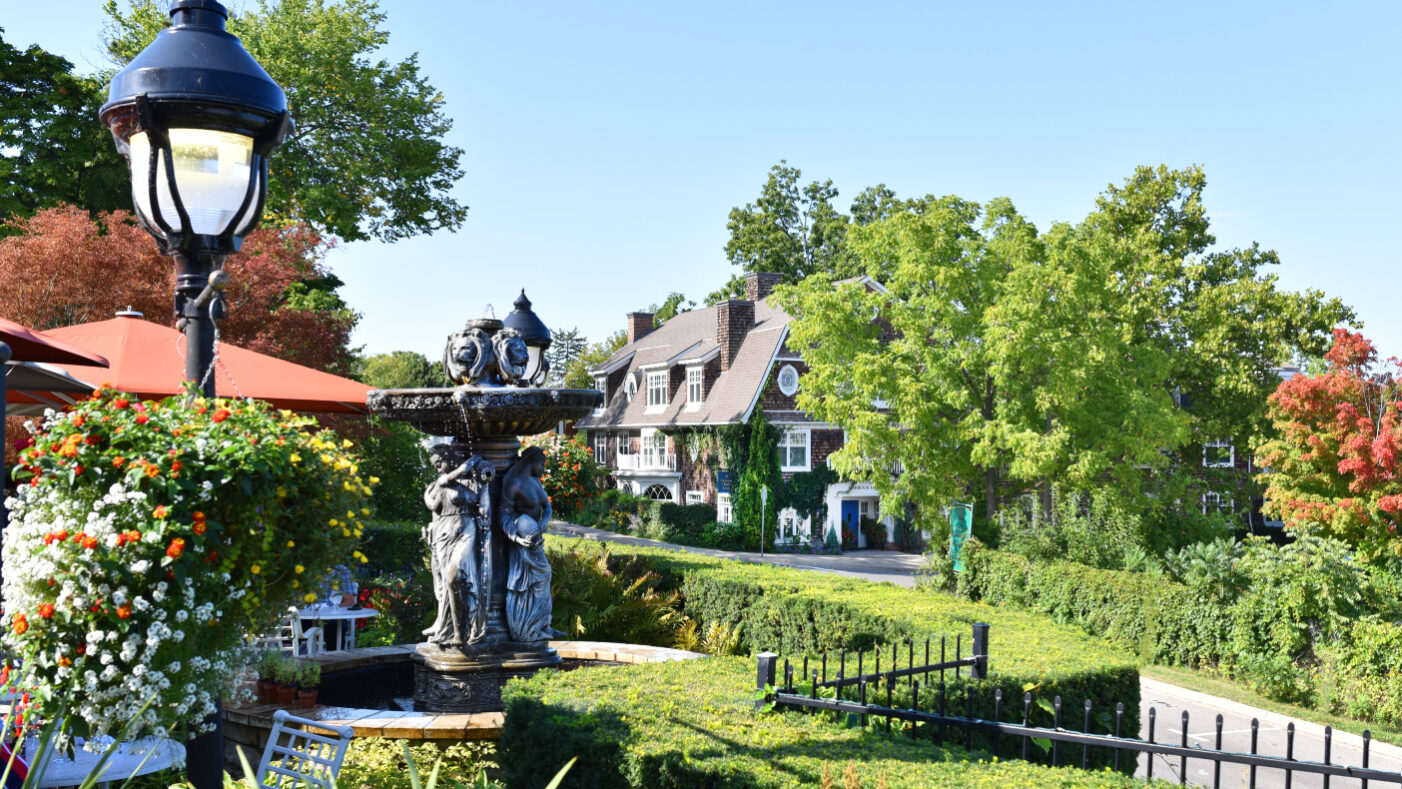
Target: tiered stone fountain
[(490, 511)]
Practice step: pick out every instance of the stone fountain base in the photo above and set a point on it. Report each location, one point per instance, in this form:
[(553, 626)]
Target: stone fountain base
[(470, 680)]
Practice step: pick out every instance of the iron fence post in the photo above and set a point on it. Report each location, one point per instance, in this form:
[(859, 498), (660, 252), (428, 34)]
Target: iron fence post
[(764, 679), (980, 669)]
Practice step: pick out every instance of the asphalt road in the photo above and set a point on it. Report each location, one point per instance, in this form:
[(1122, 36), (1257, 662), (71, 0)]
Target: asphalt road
[(1171, 702)]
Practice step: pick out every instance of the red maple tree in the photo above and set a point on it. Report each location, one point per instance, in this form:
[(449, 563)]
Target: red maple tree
[(1335, 465), (62, 266)]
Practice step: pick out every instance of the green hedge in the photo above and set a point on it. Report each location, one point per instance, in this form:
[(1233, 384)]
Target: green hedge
[(393, 547), (693, 724), (797, 613), (685, 524), (1164, 622)]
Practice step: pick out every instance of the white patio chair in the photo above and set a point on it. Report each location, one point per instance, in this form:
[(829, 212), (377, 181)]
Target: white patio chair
[(302, 756), (293, 640)]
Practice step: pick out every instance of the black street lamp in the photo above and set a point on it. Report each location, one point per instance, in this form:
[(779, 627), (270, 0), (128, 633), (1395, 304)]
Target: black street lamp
[(197, 117)]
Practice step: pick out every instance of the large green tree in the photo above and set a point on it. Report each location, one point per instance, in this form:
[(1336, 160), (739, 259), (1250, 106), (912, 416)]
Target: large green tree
[(401, 370), (52, 149), (1009, 360), (368, 157), (579, 375), (790, 229)]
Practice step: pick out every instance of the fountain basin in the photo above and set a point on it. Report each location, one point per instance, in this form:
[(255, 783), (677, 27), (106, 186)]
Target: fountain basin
[(483, 411)]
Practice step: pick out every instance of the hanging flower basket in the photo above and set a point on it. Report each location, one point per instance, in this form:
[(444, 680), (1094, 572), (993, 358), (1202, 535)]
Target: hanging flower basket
[(148, 538)]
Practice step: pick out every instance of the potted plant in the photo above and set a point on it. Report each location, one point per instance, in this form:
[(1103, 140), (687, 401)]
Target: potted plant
[(267, 665), (285, 675), (174, 526), (308, 678)]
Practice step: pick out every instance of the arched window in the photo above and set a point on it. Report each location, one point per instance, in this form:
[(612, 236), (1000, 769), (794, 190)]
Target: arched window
[(658, 493)]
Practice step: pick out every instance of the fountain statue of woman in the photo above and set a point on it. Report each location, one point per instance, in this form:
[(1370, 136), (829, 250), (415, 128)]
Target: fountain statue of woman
[(525, 515), (459, 542)]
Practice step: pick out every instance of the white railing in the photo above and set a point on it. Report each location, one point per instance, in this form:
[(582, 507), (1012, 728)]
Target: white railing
[(647, 461)]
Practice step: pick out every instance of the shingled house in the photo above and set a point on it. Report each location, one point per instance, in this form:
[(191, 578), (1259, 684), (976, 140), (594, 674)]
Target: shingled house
[(708, 368)]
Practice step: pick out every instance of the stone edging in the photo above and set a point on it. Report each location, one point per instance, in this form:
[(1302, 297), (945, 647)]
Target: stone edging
[(249, 725)]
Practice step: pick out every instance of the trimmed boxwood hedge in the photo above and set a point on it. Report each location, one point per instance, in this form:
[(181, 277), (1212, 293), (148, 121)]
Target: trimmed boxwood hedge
[(693, 724), (685, 524), (1163, 621), (797, 613)]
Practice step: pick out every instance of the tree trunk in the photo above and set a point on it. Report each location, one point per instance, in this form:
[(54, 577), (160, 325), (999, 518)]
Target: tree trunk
[(990, 494)]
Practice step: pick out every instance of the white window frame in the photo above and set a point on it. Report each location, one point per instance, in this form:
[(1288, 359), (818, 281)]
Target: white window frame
[(724, 512), (695, 383), (1217, 501), (1219, 444), (695, 497), (657, 385), (792, 386), (601, 448), (630, 387), (787, 445)]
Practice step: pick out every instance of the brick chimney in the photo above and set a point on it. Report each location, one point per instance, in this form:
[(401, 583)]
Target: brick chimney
[(734, 319), (639, 323), (759, 284)]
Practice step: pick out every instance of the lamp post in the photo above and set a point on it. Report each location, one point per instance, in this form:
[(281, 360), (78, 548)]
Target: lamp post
[(536, 336), (197, 118)]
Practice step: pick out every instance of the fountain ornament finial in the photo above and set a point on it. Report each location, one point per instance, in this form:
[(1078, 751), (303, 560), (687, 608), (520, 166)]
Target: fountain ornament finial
[(491, 352)]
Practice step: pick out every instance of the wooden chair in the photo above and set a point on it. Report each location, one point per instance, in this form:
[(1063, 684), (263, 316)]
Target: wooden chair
[(302, 756)]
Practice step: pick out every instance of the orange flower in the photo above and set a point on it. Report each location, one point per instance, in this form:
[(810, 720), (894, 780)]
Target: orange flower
[(120, 403), (160, 512), (78, 420), (152, 470), (124, 612), (177, 547), (220, 415), (142, 419), (118, 461), (199, 527), (198, 516), (175, 466), (90, 543), (133, 536), (20, 624), (47, 610)]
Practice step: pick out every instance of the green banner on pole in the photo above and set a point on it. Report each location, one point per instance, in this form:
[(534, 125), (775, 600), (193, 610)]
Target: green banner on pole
[(961, 523)]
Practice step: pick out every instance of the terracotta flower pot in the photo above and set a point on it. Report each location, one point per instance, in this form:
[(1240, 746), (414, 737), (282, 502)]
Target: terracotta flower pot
[(306, 698), (267, 690), (286, 694)]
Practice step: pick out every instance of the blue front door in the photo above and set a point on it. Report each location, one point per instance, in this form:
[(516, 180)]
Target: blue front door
[(851, 520)]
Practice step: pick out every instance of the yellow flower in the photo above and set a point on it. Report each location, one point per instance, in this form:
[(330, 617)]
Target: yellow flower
[(365, 511), (295, 458), (374, 480), (281, 492), (291, 544), (333, 522), (350, 514), (299, 569), (255, 569), (347, 443), (309, 597), (295, 583)]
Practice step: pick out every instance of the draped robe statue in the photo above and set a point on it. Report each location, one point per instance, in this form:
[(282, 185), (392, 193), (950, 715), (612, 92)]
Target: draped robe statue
[(525, 515), (460, 546)]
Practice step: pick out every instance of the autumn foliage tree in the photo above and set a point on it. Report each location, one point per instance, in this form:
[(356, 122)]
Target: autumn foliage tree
[(1335, 464), (63, 267)]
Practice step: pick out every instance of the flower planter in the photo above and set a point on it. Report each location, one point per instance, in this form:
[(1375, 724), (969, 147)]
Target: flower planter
[(267, 690), (286, 694), (306, 698)]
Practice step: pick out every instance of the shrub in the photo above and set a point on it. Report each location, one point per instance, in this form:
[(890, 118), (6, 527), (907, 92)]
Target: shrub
[(394, 547), (602, 597), (875, 533), (379, 763), (613, 509), (693, 724), (405, 604), (683, 524), (908, 538), (571, 476)]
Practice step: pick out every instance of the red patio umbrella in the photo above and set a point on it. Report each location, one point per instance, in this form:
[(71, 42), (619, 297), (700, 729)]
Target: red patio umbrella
[(32, 345), (148, 360)]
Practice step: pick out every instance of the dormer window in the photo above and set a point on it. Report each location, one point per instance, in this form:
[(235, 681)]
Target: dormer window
[(657, 389), (601, 382), (693, 386), (630, 387)]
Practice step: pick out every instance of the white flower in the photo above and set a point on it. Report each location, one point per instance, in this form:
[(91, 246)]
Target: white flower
[(181, 615)]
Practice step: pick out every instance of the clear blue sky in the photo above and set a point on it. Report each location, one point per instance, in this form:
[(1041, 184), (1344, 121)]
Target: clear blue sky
[(605, 143)]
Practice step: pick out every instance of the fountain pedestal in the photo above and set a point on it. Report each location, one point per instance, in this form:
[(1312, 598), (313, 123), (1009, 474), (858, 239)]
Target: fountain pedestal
[(485, 422)]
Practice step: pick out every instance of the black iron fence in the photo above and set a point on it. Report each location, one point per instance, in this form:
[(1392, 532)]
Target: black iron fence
[(925, 691)]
